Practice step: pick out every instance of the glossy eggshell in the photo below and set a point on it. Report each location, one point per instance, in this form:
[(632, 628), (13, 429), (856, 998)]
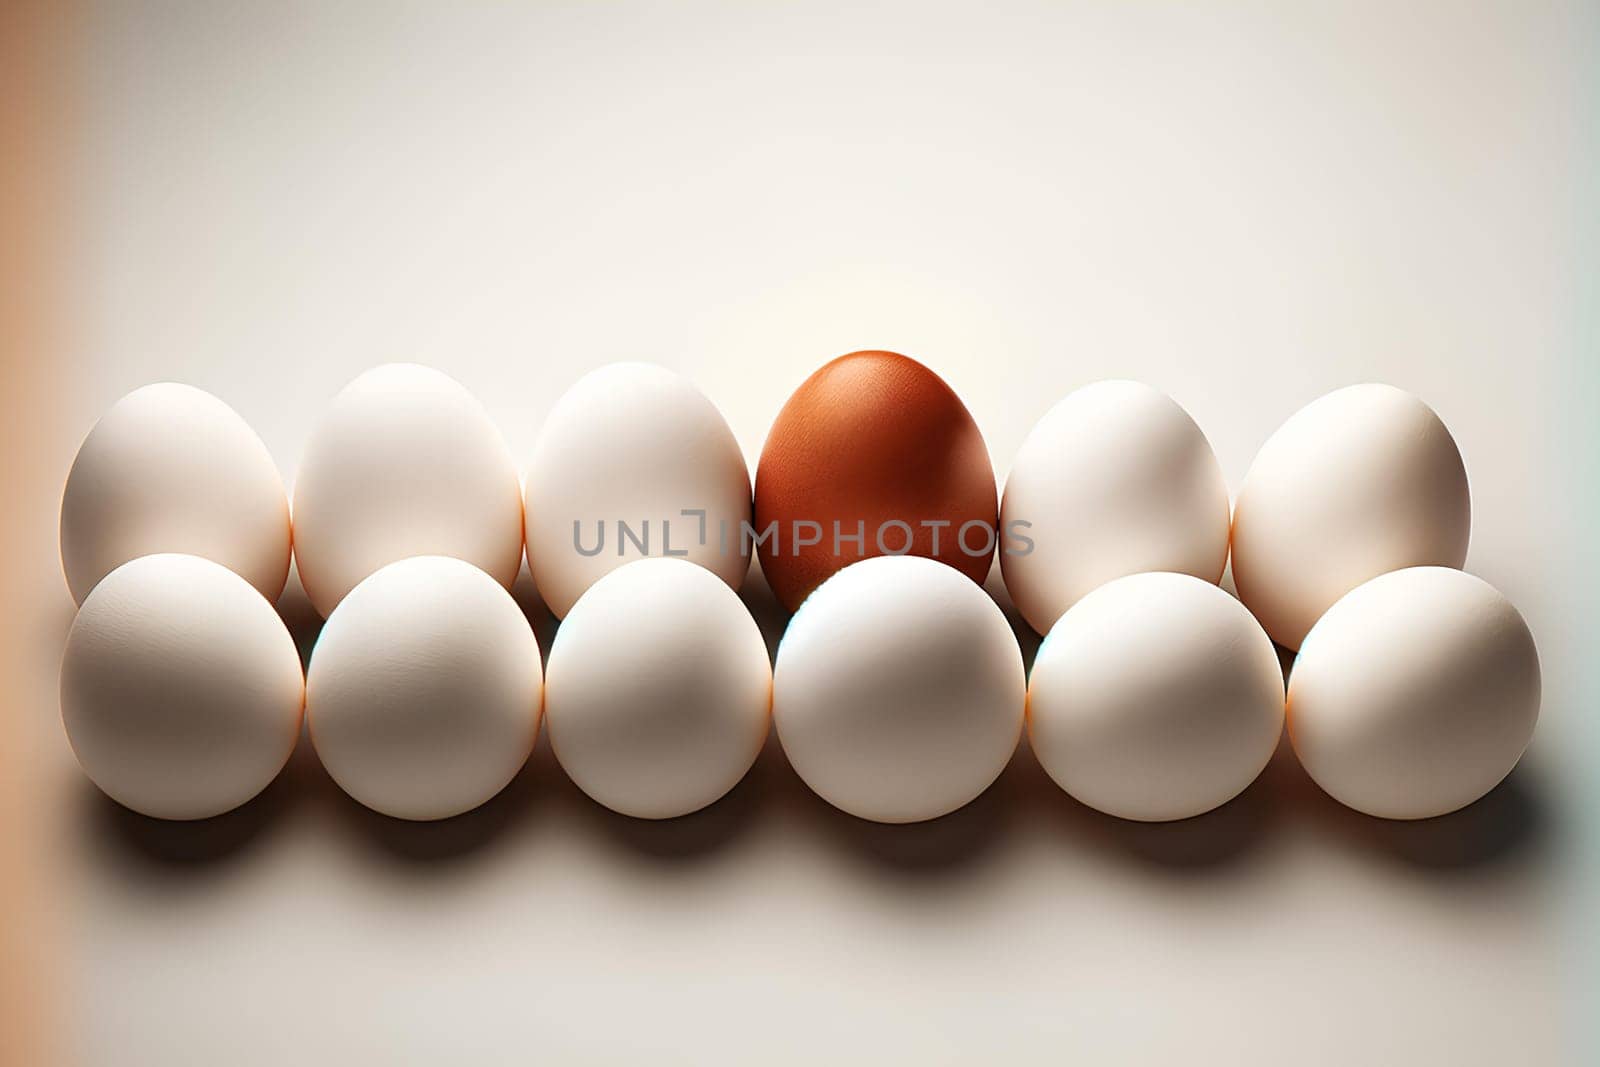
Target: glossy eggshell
[(424, 691), (181, 689), (1415, 694), (658, 690), (898, 693), (172, 469), (404, 463), (633, 443), (1362, 481), (1115, 479), (870, 438), (1155, 697)]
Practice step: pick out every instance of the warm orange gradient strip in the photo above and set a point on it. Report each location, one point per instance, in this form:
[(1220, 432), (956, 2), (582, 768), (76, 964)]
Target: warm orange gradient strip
[(34, 79)]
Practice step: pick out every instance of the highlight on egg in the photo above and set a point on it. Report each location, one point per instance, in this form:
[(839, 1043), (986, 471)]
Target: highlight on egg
[(1415, 694), (172, 469), (405, 462), (898, 693), (1115, 479), (634, 462), (181, 689), (1155, 697), (424, 691), (659, 689), (872, 455), (1360, 482)]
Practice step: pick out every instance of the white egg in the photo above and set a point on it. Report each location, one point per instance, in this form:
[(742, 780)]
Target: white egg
[(899, 691), (171, 468), (1362, 481), (634, 461), (423, 696), (658, 689), (405, 463), (181, 690), (1155, 697), (1115, 479), (1415, 694)]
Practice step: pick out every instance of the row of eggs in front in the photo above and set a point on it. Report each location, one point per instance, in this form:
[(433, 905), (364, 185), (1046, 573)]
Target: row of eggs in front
[(898, 692)]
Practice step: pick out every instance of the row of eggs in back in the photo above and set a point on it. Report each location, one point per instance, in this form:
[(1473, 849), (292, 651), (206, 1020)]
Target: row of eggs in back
[(1116, 479)]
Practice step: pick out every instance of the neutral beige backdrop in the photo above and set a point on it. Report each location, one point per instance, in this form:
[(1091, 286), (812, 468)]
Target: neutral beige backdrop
[(1244, 204)]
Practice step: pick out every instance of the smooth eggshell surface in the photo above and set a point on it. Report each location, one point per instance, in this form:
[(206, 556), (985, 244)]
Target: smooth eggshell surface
[(869, 439), (899, 692), (424, 691), (1114, 480), (1415, 694), (658, 689), (1155, 697), (181, 690), (637, 444), (404, 463), (171, 468), (1362, 481)]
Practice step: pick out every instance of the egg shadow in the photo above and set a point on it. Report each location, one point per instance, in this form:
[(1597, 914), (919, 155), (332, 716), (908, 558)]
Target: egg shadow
[(1028, 641), (539, 615), (762, 603), (1209, 843), (1506, 830), (438, 842), (684, 839), (773, 791), (299, 617), (122, 836), (960, 841)]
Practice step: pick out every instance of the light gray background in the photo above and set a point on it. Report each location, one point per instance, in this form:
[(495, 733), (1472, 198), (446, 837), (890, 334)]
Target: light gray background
[(1244, 204)]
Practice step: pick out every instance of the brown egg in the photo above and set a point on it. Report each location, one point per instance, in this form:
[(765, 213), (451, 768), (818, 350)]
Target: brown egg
[(877, 445)]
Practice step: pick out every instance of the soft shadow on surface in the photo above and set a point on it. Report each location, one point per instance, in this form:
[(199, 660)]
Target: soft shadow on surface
[(774, 792), (950, 844), (1027, 641), (1505, 830), (685, 839), (1214, 841), (544, 623), (115, 833), (302, 620), (176, 844), (1285, 661), (764, 607), (440, 842)]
